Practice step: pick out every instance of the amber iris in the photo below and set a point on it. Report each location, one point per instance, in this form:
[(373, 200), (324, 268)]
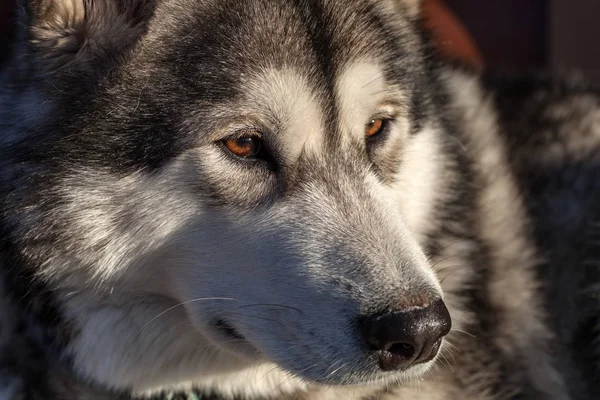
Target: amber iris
[(374, 127), (244, 147)]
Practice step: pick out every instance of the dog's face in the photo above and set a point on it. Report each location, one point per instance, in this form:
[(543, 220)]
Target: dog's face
[(255, 174)]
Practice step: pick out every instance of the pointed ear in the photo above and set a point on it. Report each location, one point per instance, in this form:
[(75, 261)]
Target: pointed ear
[(414, 6), (72, 33), (411, 7)]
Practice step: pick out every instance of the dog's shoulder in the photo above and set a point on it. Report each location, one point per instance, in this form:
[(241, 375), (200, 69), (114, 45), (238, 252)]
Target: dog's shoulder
[(552, 128), (557, 118)]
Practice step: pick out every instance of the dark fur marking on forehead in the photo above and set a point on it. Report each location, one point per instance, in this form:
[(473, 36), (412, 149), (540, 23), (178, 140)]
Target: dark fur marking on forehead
[(315, 19), (421, 102)]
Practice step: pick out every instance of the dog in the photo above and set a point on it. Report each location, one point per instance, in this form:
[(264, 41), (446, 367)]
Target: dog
[(288, 200)]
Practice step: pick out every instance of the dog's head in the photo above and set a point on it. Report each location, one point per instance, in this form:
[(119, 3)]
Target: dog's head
[(210, 185)]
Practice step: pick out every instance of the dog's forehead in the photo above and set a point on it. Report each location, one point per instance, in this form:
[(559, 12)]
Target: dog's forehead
[(227, 38), (299, 57)]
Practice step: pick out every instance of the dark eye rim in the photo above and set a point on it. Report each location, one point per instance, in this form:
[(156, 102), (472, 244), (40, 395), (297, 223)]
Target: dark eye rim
[(264, 157)]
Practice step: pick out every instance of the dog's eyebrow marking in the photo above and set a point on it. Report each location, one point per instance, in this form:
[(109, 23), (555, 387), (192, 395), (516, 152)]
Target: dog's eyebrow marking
[(362, 91), (286, 96)]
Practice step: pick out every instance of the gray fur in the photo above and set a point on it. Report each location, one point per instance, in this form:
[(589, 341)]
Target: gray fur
[(132, 241)]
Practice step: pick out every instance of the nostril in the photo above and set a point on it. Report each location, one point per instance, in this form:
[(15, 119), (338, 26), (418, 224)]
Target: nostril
[(404, 350)]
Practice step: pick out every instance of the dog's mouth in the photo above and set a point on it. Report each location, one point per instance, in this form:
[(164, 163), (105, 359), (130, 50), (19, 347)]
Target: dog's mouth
[(228, 331), (228, 338), (225, 336)]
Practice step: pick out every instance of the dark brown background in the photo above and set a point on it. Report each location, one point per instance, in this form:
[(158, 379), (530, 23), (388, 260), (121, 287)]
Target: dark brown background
[(558, 35)]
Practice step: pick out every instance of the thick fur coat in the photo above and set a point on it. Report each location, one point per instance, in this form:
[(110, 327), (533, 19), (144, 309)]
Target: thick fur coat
[(141, 255)]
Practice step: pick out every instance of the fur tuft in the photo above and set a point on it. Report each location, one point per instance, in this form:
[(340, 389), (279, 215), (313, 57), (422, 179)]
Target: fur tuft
[(68, 33)]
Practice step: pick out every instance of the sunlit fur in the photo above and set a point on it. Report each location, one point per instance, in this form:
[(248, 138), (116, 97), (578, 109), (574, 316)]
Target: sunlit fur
[(133, 240)]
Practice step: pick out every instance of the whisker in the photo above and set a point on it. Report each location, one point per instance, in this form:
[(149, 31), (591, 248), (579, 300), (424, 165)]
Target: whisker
[(286, 349), (178, 305), (448, 274), (447, 362), (267, 373), (269, 305), (451, 244), (444, 259), (292, 376), (330, 367), (451, 266), (453, 347), (248, 315), (450, 354), (378, 76), (464, 332), (336, 370)]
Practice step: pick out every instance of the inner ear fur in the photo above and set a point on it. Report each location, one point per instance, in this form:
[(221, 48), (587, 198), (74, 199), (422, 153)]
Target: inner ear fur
[(66, 33)]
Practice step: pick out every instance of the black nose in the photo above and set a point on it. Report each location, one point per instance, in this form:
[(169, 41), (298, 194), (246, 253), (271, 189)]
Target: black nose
[(405, 338)]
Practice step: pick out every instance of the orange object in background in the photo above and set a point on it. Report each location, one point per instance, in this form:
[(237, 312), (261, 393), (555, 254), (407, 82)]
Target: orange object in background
[(451, 36)]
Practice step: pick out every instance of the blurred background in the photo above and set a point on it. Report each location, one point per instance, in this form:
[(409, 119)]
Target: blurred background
[(508, 35), (523, 35)]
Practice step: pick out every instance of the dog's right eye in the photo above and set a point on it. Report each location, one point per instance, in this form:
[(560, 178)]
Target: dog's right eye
[(376, 127), (247, 147)]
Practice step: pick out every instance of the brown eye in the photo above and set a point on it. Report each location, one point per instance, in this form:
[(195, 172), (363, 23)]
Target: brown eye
[(244, 147), (374, 127)]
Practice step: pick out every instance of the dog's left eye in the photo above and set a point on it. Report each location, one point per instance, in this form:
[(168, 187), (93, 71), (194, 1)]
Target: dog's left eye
[(376, 126)]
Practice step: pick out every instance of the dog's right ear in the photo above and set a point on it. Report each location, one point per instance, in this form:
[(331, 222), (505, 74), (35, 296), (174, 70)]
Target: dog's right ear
[(75, 34)]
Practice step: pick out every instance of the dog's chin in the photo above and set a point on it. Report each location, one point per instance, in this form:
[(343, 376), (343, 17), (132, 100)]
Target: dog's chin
[(368, 377)]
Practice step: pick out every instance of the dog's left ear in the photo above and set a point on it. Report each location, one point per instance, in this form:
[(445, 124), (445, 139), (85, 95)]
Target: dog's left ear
[(414, 6), (410, 7), (78, 33)]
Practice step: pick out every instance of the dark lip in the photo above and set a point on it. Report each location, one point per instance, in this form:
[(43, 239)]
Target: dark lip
[(228, 330), (229, 337)]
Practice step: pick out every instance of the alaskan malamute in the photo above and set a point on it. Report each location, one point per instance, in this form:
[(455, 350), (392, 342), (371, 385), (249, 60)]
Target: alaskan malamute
[(271, 199)]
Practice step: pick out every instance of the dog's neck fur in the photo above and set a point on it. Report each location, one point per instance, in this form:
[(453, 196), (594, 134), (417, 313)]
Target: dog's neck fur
[(471, 233)]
